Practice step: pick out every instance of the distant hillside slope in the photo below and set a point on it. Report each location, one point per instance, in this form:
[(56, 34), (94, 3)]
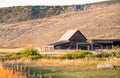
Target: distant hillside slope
[(101, 22), (24, 13)]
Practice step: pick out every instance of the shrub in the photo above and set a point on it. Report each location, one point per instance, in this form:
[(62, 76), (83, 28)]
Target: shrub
[(27, 53), (68, 56), (76, 55), (15, 55), (89, 55), (65, 56), (12, 55), (3, 58), (112, 54), (82, 54), (108, 54), (103, 55), (30, 53), (118, 53), (118, 50)]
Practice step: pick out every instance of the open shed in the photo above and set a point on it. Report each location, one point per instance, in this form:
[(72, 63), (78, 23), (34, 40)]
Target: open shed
[(106, 43)]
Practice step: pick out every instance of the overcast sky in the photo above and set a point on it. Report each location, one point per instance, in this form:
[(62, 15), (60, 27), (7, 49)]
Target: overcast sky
[(7, 3)]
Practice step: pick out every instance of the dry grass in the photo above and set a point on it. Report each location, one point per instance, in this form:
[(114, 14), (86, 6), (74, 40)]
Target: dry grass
[(10, 50), (56, 65), (79, 62), (5, 73), (72, 62)]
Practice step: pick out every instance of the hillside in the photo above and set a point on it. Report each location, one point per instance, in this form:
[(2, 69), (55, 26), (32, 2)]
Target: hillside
[(98, 22), (25, 13)]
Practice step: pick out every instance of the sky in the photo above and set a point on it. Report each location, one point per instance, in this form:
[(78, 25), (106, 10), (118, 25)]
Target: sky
[(8, 3)]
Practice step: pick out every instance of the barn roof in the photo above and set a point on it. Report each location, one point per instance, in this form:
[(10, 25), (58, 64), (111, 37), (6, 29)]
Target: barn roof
[(68, 35)]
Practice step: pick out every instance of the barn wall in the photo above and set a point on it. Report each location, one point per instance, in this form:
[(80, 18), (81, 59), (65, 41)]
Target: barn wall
[(78, 37), (75, 39)]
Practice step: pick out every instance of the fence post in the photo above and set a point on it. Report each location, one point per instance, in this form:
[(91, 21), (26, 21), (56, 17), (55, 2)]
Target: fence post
[(34, 75), (50, 76), (41, 76), (28, 73)]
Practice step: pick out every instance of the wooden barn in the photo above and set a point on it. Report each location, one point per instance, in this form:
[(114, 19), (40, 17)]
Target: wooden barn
[(105, 43), (72, 39)]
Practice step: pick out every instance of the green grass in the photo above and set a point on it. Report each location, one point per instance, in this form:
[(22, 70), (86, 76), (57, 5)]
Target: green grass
[(74, 72), (26, 53)]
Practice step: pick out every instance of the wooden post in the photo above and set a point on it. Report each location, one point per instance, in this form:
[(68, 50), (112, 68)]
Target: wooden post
[(112, 46), (41, 76), (77, 46), (20, 68), (28, 75), (88, 47), (50, 76), (91, 46), (34, 75), (17, 67)]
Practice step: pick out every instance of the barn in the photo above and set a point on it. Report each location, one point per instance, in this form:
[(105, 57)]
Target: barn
[(72, 39)]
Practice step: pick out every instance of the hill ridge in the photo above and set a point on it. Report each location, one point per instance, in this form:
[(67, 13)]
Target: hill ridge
[(25, 13)]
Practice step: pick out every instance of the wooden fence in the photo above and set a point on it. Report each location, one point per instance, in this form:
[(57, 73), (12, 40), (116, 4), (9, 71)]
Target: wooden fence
[(46, 49), (22, 71)]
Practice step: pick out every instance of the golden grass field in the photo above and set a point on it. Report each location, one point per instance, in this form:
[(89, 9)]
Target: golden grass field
[(82, 64), (5, 73), (6, 50)]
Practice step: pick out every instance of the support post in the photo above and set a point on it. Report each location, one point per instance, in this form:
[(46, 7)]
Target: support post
[(91, 46), (77, 46)]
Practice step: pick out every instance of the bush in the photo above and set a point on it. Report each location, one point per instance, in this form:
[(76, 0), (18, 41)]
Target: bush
[(103, 55), (112, 54), (108, 54), (118, 50), (12, 55), (82, 54), (30, 53), (27, 53), (76, 55), (118, 53), (67, 56)]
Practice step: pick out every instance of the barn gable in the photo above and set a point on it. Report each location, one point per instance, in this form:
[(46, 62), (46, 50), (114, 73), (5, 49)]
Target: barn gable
[(73, 35)]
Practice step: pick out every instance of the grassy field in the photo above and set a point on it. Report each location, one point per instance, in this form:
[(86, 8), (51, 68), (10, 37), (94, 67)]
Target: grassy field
[(74, 72), (64, 68), (74, 68)]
